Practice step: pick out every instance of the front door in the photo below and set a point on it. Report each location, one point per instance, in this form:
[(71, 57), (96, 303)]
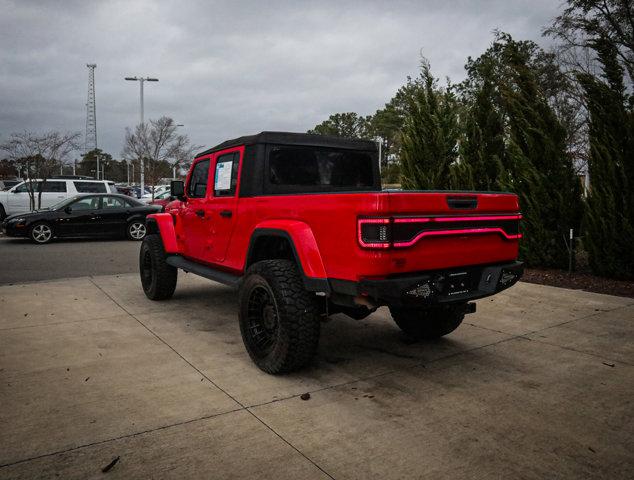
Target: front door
[(195, 213), (226, 168), (80, 218), (19, 200)]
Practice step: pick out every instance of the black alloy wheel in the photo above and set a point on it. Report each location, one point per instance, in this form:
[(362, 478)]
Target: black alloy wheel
[(262, 320)]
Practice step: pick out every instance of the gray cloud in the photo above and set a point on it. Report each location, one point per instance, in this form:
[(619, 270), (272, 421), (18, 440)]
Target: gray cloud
[(232, 68)]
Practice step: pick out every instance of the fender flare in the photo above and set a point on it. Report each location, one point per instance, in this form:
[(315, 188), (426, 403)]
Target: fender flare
[(303, 245), (163, 224)]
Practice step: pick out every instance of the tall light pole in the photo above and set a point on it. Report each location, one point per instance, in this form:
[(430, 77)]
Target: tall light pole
[(141, 80)]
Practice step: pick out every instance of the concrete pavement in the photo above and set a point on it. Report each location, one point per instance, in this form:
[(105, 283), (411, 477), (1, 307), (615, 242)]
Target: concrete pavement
[(539, 383)]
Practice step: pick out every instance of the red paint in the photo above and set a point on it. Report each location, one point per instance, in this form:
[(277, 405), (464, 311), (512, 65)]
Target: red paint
[(165, 224), (305, 244), (325, 229)]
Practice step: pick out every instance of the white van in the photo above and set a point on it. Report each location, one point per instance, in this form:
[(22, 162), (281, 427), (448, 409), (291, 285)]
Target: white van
[(16, 199)]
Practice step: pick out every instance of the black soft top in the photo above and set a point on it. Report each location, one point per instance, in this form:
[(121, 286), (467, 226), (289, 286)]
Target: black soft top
[(290, 138)]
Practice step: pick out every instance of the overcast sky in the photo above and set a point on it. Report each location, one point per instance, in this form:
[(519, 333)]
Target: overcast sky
[(237, 67)]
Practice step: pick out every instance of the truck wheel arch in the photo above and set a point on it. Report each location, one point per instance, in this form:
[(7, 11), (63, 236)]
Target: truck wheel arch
[(291, 241), (163, 224)]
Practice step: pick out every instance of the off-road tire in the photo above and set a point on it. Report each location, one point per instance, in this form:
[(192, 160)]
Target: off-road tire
[(134, 228), (37, 236), (429, 323), (293, 317), (158, 278)]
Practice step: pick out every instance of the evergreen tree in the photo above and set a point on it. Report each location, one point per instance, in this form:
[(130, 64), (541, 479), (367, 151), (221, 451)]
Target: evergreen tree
[(430, 135), (482, 148), (514, 141), (609, 221)]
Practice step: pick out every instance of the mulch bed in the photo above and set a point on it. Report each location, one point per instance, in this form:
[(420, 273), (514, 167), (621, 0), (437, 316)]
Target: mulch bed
[(579, 281)]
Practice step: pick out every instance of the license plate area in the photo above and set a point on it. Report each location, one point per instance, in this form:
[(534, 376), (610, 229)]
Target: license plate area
[(457, 283)]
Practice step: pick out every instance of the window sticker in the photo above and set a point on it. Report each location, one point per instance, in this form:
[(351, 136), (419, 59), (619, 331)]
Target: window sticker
[(222, 180)]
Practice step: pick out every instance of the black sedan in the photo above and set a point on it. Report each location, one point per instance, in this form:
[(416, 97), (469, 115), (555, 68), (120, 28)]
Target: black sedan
[(83, 216)]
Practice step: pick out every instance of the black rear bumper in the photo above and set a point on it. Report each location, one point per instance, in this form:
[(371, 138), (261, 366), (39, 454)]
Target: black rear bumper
[(439, 286)]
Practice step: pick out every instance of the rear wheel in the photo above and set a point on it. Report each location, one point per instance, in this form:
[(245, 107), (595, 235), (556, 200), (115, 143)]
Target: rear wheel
[(136, 230), (158, 278), (279, 319), (429, 323), (3, 213), (41, 233)]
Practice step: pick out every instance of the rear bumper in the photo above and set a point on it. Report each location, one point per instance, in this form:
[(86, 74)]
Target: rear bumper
[(439, 286)]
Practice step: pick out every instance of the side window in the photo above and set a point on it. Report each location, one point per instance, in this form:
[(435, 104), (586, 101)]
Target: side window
[(85, 203), (129, 203), (197, 187), (90, 187), (226, 177), (21, 188), (54, 187), (112, 202)]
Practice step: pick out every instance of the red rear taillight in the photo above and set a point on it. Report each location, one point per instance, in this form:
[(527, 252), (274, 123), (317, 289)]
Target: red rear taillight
[(402, 232), (374, 232)]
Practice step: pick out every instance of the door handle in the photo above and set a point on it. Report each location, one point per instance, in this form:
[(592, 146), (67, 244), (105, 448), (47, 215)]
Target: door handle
[(200, 213), (225, 213)]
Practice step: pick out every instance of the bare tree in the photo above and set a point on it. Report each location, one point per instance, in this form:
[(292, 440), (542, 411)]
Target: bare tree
[(159, 145), (38, 157)]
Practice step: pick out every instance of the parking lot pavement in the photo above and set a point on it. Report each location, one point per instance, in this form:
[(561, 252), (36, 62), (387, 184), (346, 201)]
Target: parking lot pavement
[(23, 261), (537, 384)]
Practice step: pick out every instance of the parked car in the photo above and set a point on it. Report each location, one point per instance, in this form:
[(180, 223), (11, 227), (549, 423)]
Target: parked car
[(101, 215), (299, 222), (126, 190), (7, 184), (137, 191), (161, 199), (158, 193), (17, 199)]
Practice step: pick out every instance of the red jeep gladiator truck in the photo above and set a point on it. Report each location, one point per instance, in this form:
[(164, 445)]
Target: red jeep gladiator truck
[(300, 224)]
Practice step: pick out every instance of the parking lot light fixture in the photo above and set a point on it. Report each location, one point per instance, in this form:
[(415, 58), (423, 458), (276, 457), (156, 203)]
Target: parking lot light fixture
[(141, 80)]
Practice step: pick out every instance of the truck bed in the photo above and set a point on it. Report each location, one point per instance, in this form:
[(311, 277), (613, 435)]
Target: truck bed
[(430, 230)]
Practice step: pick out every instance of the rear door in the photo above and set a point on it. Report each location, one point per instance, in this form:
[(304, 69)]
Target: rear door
[(226, 170), (113, 215), (194, 214), (53, 191), (90, 187)]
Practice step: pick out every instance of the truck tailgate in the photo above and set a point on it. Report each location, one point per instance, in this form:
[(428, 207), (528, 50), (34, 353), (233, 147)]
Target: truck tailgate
[(438, 230)]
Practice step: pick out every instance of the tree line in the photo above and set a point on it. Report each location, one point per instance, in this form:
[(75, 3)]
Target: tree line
[(40, 156), (528, 121)]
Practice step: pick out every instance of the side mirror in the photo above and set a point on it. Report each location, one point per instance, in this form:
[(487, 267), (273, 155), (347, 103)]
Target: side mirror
[(177, 189), (68, 209)]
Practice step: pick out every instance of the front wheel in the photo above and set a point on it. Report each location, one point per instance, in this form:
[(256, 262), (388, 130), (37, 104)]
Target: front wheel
[(428, 323), (158, 278), (41, 233), (279, 319)]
